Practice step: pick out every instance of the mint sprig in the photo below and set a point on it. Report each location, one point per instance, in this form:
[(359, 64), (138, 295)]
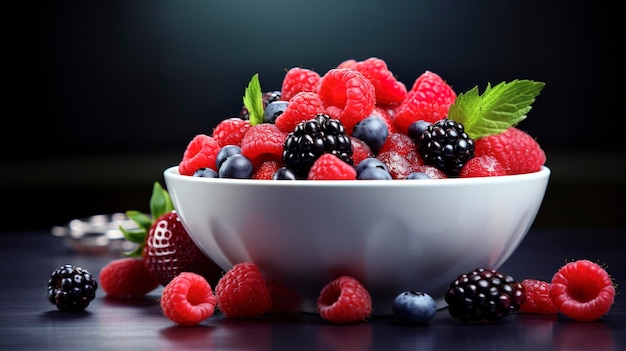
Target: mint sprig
[(253, 100), (496, 109)]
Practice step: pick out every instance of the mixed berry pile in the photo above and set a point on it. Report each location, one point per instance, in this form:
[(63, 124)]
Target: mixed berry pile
[(356, 121), (324, 126)]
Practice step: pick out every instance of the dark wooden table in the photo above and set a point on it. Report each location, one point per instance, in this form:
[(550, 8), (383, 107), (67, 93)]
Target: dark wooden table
[(29, 321)]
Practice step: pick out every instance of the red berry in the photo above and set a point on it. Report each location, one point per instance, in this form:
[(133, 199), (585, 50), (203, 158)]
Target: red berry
[(399, 165), (188, 299), (344, 300), (263, 142), (267, 169), (302, 107), (331, 167), (432, 171), (242, 292), (538, 300), (360, 150), (126, 278), (582, 290), (347, 63), (297, 80), (347, 96), (169, 251), (429, 99), (482, 166), (200, 153), (516, 151), (230, 131), (389, 91), (400, 143)]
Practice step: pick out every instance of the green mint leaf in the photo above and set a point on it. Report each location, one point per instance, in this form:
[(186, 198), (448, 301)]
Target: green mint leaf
[(160, 201), (253, 100), (497, 109)]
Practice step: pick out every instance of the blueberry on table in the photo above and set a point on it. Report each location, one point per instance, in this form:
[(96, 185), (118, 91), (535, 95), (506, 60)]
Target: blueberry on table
[(414, 307)]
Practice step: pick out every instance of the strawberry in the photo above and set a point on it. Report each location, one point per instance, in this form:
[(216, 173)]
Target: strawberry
[(165, 245)]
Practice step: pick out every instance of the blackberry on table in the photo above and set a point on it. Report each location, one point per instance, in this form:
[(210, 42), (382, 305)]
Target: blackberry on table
[(445, 145), (71, 288), (313, 138), (484, 295)]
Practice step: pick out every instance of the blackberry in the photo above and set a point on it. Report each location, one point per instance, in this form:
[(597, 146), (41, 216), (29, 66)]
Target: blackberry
[(313, 138), (484, 295), (267, 97), (71, 288), (445, 145)]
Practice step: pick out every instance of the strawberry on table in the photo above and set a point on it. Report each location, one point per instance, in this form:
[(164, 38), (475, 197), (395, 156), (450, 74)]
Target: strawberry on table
[(165, 245)]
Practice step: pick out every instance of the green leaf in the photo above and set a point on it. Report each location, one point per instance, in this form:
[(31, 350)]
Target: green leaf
[(497, 109), (160, 201), (142, 220), (134, 235), (253, 100)]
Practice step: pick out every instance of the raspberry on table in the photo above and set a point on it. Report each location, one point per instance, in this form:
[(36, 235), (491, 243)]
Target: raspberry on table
[(127, 277), (200, 153), (538, 299), (188, 299), (347, 96), (582, 290), (242, 292), (298, 80), (331, 167), (344, 300)]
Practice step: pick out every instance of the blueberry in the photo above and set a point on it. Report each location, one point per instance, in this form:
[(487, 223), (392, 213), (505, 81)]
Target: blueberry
[(226, 152), (370, 162), (373, 131), (273, 110), (205, 172), (284, 173), (417, 128), (374, 173), (236, 166), (418, 175), (413, 307)]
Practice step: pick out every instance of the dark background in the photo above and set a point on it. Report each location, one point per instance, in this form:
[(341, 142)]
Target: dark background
[(104, 95)]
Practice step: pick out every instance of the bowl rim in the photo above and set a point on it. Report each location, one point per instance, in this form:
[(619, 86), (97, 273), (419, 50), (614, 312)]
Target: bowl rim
[(544, 172)]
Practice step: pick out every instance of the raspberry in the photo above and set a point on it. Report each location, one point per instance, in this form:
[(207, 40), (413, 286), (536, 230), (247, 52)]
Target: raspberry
[(188, 299), (263, 142), (200, 153), (349, 63), (267, 169), (347, 96), (344, 300), (331, 167), (242, 292), (127, 278), (389, 91), (482, 166), (302, 107), (538, 300), (398, 165), (297, 80), (230, 131), (429, 99), (516, 150), (582, 290)]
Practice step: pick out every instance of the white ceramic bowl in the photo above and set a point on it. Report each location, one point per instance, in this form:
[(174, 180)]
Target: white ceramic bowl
[(391, 235)]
